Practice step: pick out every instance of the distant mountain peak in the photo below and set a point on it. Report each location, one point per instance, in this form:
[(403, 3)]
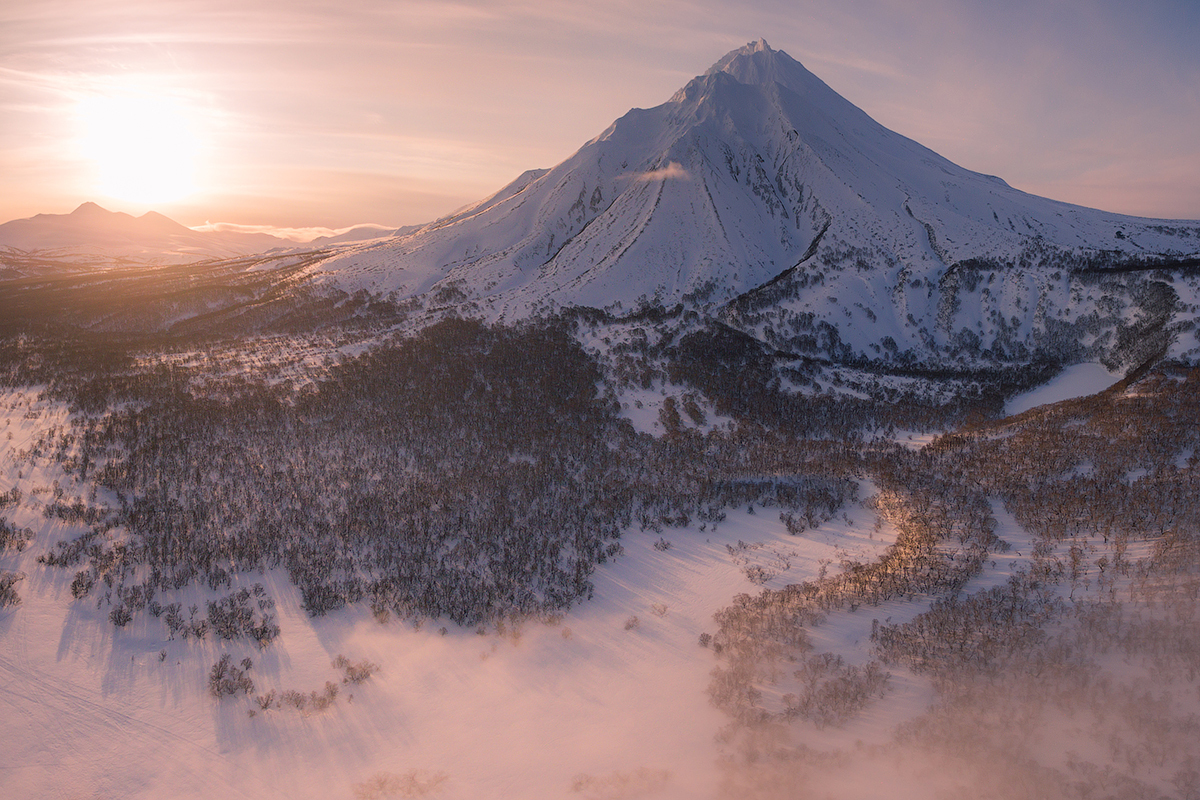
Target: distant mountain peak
[(90, 209)]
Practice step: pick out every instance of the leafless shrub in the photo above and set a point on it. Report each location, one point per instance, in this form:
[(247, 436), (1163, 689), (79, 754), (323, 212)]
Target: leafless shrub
[(8, 594), (414, 783), (621, 785), (354, 672), (226, 679), (834, 691), (13, 537)]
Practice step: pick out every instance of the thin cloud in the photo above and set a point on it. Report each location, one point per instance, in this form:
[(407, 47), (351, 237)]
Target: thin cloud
[(673, 171), (302, 235)]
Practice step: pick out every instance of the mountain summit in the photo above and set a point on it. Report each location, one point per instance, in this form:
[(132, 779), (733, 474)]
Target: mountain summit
[(758, 64), (753, 176)]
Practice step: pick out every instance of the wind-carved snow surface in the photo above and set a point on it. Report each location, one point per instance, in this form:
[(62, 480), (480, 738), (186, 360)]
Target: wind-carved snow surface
[(758, 182)]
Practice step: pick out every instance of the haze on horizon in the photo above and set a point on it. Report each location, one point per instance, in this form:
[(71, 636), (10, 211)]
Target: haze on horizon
[(396, 113)]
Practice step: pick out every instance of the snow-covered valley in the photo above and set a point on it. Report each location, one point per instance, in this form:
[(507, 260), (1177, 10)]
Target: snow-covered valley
[(604, 699), (614, 697), (753, 451)]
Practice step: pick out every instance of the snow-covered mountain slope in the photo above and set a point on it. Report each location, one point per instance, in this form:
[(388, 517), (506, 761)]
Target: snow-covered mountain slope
[(361, 233), (758, 183), (91, 234)]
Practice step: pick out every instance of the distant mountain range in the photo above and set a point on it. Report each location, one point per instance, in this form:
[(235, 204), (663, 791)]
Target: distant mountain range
[(92, 235), (93, 231)]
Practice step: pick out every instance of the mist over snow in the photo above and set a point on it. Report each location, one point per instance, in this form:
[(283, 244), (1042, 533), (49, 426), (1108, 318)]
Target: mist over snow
[(604, 700)]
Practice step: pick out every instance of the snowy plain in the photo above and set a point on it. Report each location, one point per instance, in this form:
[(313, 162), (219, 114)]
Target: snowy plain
[(607, 700)]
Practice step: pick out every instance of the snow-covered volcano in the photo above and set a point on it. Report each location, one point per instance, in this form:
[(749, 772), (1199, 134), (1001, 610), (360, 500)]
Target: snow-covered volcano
[(750, 170)]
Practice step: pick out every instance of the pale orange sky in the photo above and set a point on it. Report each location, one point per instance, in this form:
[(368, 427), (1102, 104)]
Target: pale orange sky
[(396, 112)]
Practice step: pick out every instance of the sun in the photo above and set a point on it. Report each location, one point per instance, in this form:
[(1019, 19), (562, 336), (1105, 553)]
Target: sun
[(144, 149)]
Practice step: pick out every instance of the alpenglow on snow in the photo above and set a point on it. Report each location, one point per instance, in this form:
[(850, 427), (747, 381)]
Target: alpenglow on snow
[(760, 195)]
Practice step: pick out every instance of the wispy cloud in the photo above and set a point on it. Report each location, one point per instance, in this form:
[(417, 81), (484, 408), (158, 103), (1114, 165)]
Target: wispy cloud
[(673, 171), (292, 234)]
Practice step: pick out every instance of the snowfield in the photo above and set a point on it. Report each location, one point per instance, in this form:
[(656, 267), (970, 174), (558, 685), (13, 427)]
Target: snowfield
[(1079, 380), (608, 700)]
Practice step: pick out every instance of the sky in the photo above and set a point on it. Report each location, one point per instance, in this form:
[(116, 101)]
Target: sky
[(307, 114)]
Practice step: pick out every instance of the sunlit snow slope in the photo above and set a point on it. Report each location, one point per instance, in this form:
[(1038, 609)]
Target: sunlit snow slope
[(748, 171)]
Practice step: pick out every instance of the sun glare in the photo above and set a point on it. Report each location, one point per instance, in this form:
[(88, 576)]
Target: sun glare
[(144, 148)]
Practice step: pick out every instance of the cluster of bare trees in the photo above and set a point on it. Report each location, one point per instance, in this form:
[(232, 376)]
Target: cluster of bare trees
[(226, 678), (467, 472), (1096, 626), (15, 539), (833, 691), (945, 530), (317, 700)]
